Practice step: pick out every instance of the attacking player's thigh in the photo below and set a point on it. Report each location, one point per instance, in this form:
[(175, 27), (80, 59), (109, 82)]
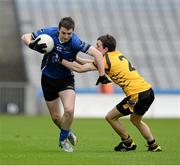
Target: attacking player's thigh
[(68, 99), (53, 107)]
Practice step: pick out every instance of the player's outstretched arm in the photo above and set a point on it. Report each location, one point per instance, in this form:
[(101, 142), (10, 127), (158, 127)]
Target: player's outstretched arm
[(100, 65), (98, 57), (78, 67), (83, 61)]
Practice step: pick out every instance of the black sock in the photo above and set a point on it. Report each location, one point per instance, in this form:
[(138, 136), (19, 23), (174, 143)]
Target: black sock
[(127, 141), (151, 143)]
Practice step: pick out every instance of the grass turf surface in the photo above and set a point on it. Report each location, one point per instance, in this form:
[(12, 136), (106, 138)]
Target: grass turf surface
[(33, 140)]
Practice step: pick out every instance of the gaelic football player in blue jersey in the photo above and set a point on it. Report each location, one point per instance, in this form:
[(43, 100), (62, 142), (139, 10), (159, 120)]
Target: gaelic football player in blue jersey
[(58, 81)]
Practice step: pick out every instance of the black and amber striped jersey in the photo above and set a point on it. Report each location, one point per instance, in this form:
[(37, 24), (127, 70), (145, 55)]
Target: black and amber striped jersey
[(122, 72)]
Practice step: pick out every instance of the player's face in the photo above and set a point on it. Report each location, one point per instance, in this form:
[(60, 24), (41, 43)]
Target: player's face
[(99, 46), (65, 34)]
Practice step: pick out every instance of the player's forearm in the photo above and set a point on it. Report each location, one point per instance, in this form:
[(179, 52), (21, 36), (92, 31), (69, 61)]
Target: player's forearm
[(77, 67), (100, 65), (98, 59), (83, 61)]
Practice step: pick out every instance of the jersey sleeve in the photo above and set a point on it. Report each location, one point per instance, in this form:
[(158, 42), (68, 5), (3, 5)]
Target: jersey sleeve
[(37, 33), (79, 45), (42, 31)]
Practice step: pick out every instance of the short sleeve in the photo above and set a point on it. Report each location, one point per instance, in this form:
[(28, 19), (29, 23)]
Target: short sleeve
[(37, 33), (79, 45)]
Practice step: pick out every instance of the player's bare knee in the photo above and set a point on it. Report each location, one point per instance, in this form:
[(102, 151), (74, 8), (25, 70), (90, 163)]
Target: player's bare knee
[(108, 117), (68, 116), (56, 118), (69, 112)]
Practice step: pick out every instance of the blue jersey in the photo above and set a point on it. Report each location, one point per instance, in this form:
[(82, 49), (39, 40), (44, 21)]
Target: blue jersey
[(50, 64)]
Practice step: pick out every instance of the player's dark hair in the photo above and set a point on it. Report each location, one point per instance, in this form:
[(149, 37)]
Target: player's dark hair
[(67, 22), (108, 41)]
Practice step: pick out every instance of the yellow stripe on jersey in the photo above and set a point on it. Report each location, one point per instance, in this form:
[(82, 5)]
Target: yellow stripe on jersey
[(121, 71)]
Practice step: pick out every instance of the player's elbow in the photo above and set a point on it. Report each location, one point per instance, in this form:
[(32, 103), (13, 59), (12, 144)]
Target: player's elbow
[(95, 52), (23, 37), (26, 38)]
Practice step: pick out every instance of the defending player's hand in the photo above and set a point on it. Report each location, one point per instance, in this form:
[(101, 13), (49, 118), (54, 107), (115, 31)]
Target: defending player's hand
[(103, 80), (38, 47)]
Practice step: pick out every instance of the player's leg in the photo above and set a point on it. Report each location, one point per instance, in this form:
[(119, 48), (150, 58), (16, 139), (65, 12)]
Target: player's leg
[(126, 143), (146, 132), (142, 127), (68, 100), (51, 89), (113, 119), (54, 110), (145, 99), (51, 98)]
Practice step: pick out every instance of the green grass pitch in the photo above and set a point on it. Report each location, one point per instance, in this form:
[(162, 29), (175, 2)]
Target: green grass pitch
[(34, 140)]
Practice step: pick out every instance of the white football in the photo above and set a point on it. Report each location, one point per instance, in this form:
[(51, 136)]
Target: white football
[(48, 40)]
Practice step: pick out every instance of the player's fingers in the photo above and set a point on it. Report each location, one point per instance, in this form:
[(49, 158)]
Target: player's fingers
[(36, 41), (43, 45)]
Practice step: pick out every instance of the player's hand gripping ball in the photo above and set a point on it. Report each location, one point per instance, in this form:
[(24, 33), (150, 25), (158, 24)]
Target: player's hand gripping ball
[(48, 41), (43, 44)]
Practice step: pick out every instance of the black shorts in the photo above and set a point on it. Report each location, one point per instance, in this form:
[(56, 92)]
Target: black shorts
[(51, 87), (137, 103)]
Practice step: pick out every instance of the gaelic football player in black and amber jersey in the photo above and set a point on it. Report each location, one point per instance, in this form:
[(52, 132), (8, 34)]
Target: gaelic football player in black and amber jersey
[(139, 93)]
